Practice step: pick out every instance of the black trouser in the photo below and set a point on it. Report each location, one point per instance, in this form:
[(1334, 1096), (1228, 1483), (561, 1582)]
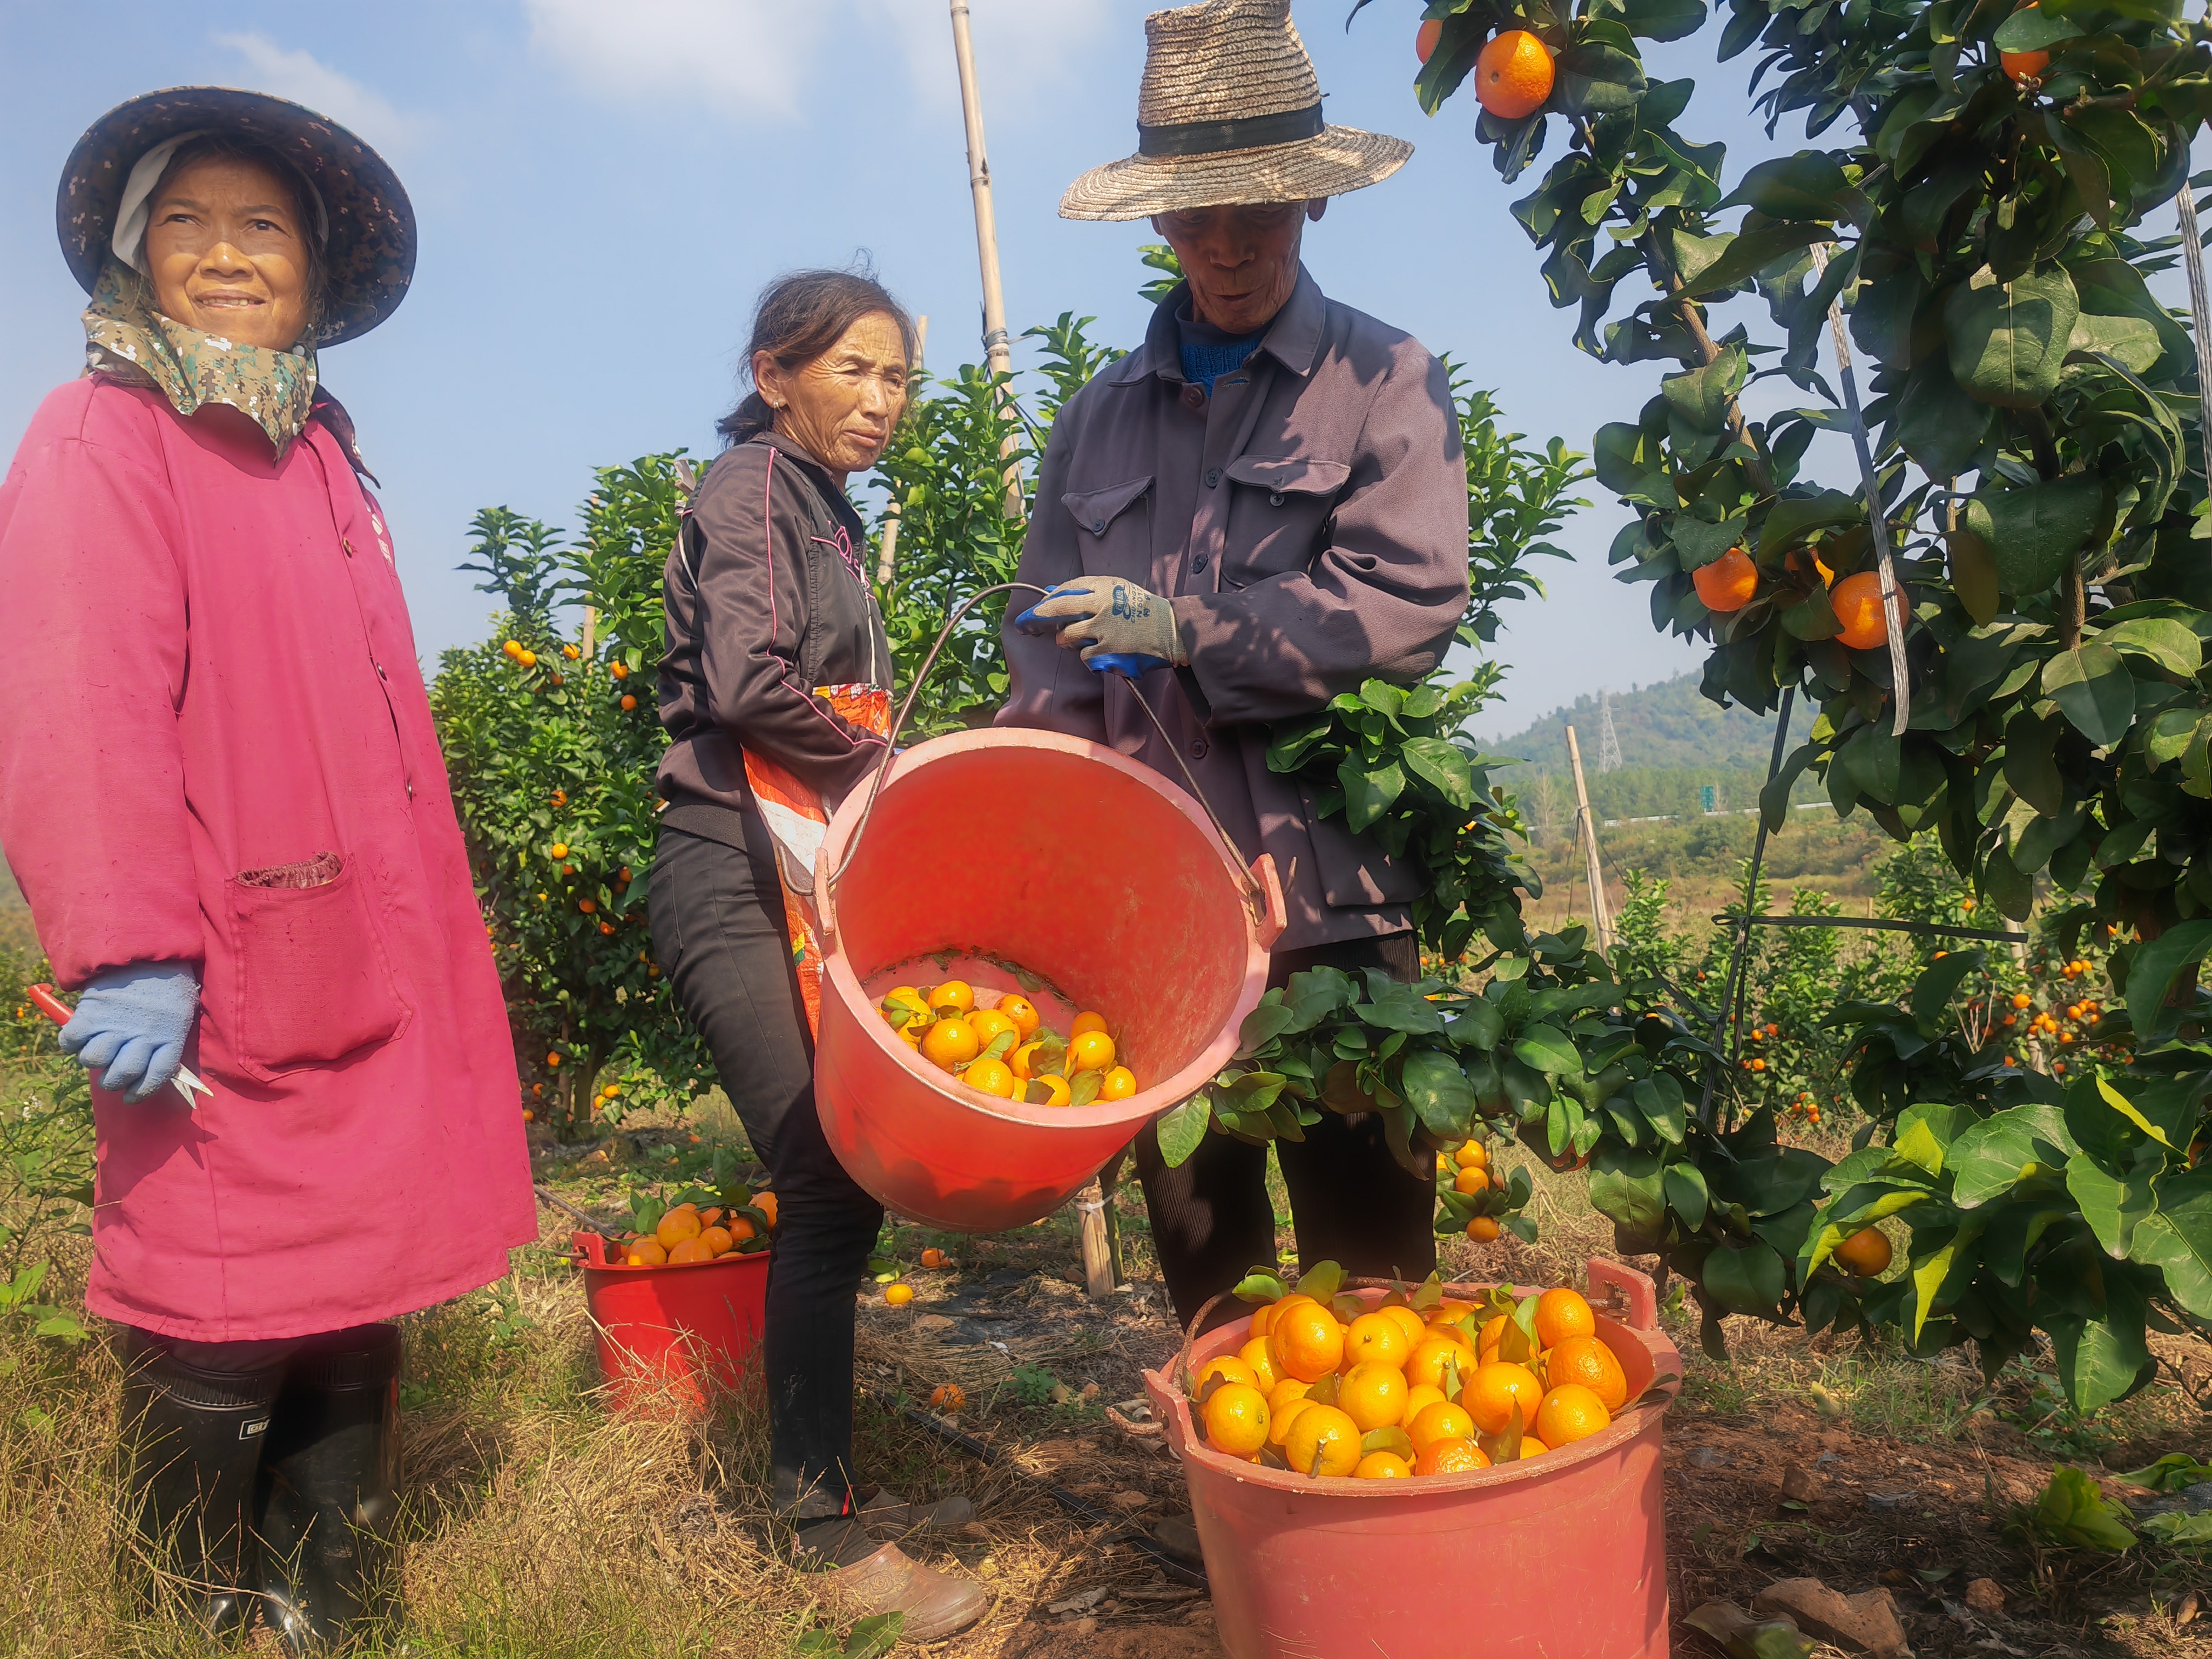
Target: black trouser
[(717, 929), (1351, 1201)]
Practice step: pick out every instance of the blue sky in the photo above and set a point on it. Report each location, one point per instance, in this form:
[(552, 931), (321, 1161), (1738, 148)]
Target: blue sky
[(602, 189)]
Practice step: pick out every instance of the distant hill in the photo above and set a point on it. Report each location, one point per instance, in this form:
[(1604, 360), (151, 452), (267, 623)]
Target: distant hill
[(1668, 724)]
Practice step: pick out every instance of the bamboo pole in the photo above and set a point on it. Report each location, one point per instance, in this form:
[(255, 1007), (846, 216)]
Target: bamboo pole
[(1599, 915), (888, 552), (2192, 259), (1097, 1260), (998, 345)]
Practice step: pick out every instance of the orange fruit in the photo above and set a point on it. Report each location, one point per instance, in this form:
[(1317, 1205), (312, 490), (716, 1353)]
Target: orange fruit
[(1471, 1179), (1382, 1466), (1470, 1155), (1450, 1456), (955, 994), (1307, 1342), (1265, 1376), (1089, 1051), (1227, 1367), (1055, 1089), (1235, 1418), (1262, 1318), (1532, 1447), (1373, 1395), (1728, 583), (1435, 1360), (1322, 1441), (1278, 1428), (719, 1241), (1440, 1420), (1589, 1362), (988, 1024), (1866, 1252), (1376, 1336), (1408, 1321), (1857, 600), (1513, 76), (2024, 65), (1419, 1395), (1483, 1229), (1285, 1391), (619, 670), (932, 1257), (952, 1042), (645, 1252), (1570, 1412), (992, 1077), (1020, 1009), (691, 1249), (898, 1295), (1425, 37), (1491, 1394), (1120, 1083), (1561, 1314), (765, 1203), (947, 1397), (1084, 1022), (1024, 1060), (678, 1224)]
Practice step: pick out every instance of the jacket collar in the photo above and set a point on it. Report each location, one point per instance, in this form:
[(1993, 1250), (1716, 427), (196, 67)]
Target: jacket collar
[(1292, 339)]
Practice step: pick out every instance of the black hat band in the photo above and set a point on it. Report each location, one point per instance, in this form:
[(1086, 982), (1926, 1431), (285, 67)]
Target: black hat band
[(1245, 132)]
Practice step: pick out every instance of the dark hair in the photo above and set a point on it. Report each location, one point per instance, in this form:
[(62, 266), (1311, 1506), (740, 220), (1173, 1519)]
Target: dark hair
[(223, 146), (801, 315)]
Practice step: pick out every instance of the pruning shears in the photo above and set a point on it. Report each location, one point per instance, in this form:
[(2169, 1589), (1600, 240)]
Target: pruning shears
[(186, 1081), (1130, 664)]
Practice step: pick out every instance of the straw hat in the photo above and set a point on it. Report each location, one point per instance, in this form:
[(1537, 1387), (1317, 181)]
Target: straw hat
[(369, 255), (1229, 111)]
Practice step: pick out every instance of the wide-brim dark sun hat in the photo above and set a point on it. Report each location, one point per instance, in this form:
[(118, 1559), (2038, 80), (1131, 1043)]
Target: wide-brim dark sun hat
[(369, 257)]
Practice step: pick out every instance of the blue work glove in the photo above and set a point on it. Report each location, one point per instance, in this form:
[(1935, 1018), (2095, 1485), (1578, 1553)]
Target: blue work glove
[(134, 1021), (1112, 617)]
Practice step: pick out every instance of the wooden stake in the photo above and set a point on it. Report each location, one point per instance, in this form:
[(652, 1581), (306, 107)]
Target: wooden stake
[(998, 346), (889, 549), (1097, 1261), (590, 628), (1587, 825)]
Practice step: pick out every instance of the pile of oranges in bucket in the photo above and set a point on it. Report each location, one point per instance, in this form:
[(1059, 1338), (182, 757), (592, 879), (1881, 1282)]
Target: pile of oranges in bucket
[(999, 1043), (1420, 1385), (687, 1235)]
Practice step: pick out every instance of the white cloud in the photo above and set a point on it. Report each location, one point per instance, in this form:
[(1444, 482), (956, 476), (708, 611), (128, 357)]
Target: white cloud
[(306, 79), (771, 58)]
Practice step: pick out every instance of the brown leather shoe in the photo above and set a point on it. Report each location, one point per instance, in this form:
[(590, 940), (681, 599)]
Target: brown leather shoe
[(936, 1604)]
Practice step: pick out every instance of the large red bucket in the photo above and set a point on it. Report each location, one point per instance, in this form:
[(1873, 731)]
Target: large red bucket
[(670, 1336), (1563, 1555), (1083, 867)]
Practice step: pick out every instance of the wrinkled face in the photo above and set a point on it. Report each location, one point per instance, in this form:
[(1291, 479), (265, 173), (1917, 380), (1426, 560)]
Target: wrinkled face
[(227, 254), (840, 408), (1243, 262)]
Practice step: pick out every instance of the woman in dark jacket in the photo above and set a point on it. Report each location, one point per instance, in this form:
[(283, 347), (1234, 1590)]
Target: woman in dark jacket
[(775, 691)]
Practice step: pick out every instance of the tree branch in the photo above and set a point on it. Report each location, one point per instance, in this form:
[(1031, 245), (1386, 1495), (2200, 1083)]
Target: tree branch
[(1693, 319)]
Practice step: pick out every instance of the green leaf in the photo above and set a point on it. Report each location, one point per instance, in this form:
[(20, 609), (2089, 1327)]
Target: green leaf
[(2112, 1203), (2031, 28), (1322, 1280), (1593, 79), (871, 1639), (1686, 1194), (2099, 1359), (1940, 424), (1809, 185), (1442, 765), (2031, 531), (1370, 788), (1547, 1049), (1628, 1188), (1438, 1091), (2177, 1240), (2072, 1510), (1181, 1129), (2007, 340), (2172, 645), (1261, 1285), (1751, 253), (1938, 982), (1478, 1025), (2094, 689), (2158, 963), (2171, 1472), (1753, 1280), (2025, 1143), (1660, 1099), (1402, 1008)]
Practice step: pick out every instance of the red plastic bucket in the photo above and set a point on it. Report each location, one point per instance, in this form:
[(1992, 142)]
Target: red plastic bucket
[(1080, 866), (1563, 1557), (669, 1336)]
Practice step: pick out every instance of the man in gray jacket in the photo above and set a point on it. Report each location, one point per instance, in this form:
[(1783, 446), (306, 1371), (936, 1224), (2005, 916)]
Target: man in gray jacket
[(1262, 506)]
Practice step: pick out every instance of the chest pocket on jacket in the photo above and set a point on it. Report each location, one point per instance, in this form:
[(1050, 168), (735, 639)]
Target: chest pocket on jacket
[(1279, 521), (1113, 540)]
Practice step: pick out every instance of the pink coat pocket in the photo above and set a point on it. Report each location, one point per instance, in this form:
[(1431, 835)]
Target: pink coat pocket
[(311, 983)]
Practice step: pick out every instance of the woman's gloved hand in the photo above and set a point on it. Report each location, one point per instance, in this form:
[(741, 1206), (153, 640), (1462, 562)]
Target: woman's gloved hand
[(134, 1021), (1108, 616)]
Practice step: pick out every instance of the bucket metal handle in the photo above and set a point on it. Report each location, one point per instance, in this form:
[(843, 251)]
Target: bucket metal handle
[(1263, 890)]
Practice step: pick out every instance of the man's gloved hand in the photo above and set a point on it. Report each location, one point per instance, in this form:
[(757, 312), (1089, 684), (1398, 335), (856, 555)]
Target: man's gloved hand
[(1108, 616), (134, 1021)]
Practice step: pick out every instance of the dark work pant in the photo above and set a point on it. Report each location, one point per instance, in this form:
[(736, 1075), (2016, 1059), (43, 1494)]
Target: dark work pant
[(1351, 1201), (718, 928), (238, 1358)]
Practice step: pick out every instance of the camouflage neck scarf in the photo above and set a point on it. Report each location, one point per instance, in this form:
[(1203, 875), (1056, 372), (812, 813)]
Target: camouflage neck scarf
[(127, 338)]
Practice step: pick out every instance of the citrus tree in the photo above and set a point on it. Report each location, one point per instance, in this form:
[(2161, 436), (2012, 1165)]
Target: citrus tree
[(2029, 487)]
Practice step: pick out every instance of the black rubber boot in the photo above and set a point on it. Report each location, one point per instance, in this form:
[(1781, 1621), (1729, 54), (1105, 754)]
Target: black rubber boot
[(330, 1484), (191, 1447)]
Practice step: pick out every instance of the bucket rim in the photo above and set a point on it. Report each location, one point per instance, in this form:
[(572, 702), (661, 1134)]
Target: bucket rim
[(1146, 1103), (1632, 1425), (577, 1237)]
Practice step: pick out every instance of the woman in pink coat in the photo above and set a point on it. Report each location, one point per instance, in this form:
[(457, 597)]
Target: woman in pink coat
[(223, 797)]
